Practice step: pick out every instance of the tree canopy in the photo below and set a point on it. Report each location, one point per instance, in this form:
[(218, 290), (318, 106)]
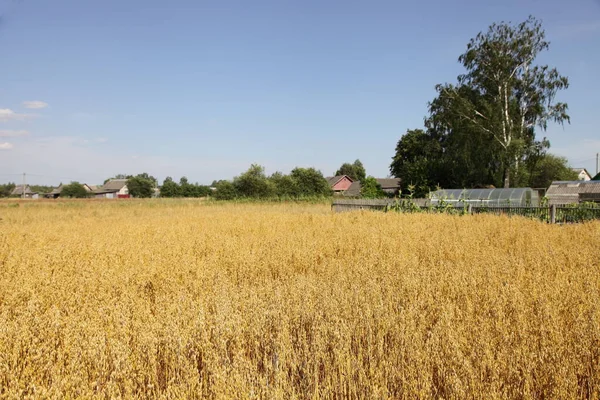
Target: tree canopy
[(481, 131), (141, 185), (74, 190), (356, 171), (371, 189), (253, 183)]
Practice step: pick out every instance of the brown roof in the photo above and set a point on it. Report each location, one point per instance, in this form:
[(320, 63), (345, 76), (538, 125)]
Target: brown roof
[(113, 185), (353, 190), (18, 190), (389, 183)]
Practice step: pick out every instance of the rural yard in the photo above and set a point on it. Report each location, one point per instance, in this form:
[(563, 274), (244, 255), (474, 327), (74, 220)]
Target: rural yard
[(189, 299)]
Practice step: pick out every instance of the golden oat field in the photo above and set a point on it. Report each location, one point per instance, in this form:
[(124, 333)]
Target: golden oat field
[(183, 299)]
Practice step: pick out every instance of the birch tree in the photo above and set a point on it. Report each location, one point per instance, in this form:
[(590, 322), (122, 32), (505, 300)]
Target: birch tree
[(515, 95)]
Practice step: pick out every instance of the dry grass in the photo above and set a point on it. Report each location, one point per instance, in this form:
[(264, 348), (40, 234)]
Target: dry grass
[(175, 299)]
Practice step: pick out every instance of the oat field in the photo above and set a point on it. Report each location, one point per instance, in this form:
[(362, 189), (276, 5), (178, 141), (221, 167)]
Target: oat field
[(183, 299)]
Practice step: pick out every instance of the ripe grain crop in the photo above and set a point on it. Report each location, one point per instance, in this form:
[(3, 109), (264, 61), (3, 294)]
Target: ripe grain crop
[(173, 299)]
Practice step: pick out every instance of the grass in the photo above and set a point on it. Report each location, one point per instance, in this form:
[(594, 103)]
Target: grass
[(184, 299)]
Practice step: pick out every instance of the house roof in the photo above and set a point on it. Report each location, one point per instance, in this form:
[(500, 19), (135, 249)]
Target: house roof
[(564, 192), (333, 180), (580, 170), (18, 190), (353, 190), (389, 183), (56, 190), (113, 185)]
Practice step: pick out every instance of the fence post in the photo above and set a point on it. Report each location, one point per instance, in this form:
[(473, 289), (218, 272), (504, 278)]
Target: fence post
[(470, 209), (553, 214)]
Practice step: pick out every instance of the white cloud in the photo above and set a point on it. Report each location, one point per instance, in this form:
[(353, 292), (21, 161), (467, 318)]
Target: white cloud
[(11, 133), (6, 114), (6, 146), (35, 104)]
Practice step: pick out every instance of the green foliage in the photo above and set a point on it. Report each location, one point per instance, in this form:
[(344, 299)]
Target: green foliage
[(170, 188), (254, 184), (225, 190), (285, 185), (141, 186), (417, 161), (74, 190), (310, 182), (6, 189), (547, 169), (356, 171), (482, 131), (370, 189)]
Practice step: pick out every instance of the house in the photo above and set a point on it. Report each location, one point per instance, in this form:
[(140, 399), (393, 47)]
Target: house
[(569, 192), (340, 183), (390, 185), (55, 193), (18, 192), (582, 174), (113, 189), (353, 190)]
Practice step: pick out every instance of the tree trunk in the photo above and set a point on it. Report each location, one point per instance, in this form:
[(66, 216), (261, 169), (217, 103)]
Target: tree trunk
[(506, 177)]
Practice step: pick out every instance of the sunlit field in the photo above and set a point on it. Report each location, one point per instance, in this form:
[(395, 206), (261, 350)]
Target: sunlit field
[(190, 299)]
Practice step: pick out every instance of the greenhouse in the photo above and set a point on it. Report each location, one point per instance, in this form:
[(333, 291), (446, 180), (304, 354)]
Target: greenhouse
[(487, 197)]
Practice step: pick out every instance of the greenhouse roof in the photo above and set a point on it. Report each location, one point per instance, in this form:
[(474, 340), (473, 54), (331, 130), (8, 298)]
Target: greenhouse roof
[(489, 196)]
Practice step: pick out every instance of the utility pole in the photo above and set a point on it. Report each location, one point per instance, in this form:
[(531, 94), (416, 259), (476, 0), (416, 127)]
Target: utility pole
[(597, 164), (23, 191)]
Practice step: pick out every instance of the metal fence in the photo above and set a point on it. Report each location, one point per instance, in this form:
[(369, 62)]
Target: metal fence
[(561, 214)]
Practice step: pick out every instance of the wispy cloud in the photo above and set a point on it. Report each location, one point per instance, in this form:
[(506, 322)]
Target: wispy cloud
[(12, 133), (6, 146), (6, 114), (35, 104)]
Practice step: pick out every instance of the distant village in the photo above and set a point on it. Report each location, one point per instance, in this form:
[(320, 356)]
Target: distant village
[(585, 189)]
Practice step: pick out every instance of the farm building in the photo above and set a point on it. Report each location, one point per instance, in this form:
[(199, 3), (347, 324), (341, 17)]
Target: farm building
[(29, 194), (347, 187), (113, 189), (487, 197), (55, 193), (390, 185), (568, 192), (340, 183), (353, 190)]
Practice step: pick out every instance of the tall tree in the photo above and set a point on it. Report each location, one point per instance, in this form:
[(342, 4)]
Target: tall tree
[(417, 161), (356, 171), (515, 96), (253, 183), (141, 185), (310, 182)]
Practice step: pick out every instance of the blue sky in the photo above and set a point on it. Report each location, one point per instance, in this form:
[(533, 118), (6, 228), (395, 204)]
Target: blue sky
[(89, 89)]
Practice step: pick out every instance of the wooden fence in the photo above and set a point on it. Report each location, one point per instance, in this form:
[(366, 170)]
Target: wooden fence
[(552, 214)]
